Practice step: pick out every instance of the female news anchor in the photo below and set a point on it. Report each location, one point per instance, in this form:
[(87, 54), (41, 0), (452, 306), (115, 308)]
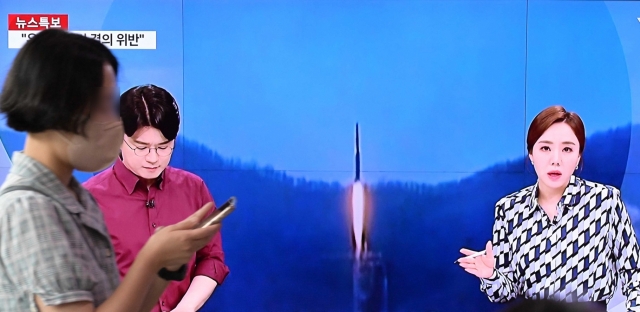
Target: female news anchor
[(55, 251), (141, 192), (563, 238)]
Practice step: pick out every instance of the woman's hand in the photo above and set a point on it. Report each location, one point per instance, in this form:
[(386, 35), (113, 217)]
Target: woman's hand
[(172, 246), (480, 266)]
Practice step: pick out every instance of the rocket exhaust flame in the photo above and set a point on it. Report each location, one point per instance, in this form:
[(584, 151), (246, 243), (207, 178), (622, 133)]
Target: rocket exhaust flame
[(357, 205)]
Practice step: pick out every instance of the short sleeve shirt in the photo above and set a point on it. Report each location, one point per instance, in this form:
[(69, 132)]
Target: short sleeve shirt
[(52, 243)]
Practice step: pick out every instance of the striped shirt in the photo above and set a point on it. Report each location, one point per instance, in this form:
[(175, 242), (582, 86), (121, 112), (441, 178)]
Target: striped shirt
[(51, 244), (577, 256)]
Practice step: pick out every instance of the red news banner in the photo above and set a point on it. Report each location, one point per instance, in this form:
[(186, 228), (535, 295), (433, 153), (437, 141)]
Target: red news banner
[(23, 27)]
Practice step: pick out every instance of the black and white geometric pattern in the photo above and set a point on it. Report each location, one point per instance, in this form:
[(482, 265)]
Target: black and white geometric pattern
[(577, 256)]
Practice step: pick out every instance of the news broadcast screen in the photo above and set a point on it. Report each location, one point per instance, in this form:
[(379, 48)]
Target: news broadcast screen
[(415, 110)]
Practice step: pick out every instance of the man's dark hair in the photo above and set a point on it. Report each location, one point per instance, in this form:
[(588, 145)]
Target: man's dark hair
[(54, 82), (149, 106)]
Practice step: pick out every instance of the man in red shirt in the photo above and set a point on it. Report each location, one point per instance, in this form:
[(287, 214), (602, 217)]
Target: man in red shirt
[(141, 192)]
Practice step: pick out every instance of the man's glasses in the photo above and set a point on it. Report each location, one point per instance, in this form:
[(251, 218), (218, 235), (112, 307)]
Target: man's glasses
[(144, 151)]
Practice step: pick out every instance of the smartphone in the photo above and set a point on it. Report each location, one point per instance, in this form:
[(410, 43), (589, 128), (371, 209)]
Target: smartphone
[(220, 213)]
